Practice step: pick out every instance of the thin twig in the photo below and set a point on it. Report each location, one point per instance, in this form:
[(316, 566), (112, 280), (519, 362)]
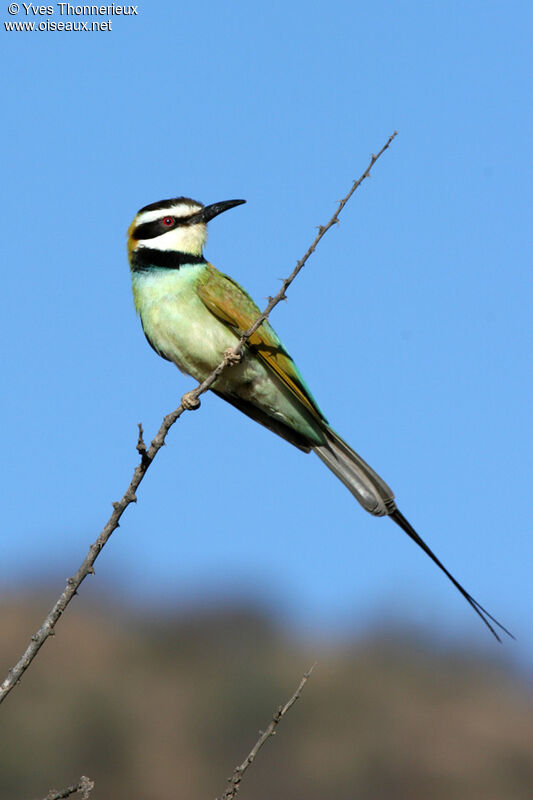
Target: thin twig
[(85, 786), (235, 781), (322, 230), (148, 455)]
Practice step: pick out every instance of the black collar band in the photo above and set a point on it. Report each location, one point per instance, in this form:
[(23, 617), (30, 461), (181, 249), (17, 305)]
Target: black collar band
[(146, 258)]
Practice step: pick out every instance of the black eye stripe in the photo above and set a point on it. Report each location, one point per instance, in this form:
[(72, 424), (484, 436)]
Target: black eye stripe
[(148, 230)]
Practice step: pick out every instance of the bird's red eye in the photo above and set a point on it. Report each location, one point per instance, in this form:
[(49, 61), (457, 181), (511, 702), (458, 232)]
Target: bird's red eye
[(168, 221)]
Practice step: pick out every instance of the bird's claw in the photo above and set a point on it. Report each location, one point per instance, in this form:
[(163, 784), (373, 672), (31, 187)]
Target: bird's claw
[(190, 402), (231, 357)]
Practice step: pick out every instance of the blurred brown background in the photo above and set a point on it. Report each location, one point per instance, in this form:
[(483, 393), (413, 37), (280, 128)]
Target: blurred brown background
[(156, 708)]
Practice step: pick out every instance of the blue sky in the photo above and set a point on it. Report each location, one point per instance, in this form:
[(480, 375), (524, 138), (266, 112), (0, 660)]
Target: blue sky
[(411, 324)]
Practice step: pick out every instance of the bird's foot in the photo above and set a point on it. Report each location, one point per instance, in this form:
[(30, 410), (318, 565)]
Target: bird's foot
[(190, 402), (232, 358)]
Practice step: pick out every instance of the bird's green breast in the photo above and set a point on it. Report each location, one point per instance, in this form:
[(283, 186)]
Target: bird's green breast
[(182, 329), (176, 321)]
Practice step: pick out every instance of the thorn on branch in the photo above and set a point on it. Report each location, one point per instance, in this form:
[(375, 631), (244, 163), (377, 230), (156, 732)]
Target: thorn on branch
[(86, 786), (141, 447)]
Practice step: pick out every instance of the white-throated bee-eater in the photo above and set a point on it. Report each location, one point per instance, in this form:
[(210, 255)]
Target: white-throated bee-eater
[(192, 314)]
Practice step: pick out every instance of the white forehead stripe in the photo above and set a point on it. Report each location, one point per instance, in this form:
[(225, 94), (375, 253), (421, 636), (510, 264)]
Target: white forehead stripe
[(177, 210)]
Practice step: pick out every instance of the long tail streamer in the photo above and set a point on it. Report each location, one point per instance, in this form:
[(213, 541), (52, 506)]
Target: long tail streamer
[(487, 618)]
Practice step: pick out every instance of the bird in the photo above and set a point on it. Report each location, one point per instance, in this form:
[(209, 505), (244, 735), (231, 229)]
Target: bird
[(193, 315)]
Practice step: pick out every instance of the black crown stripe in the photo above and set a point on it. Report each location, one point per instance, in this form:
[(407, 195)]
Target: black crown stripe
[(167, 204)]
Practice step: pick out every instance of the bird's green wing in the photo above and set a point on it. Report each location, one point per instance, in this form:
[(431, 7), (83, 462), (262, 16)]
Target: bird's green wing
[(232, 305)]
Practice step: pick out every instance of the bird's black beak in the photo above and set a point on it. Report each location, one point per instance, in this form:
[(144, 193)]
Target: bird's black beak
[(209, 212)]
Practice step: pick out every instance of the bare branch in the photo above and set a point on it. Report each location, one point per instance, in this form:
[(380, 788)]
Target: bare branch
[(148, 454), (322, 230), (85, 786), (235, 780)]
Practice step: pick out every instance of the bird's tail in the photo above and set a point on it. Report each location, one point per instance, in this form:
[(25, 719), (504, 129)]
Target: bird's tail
[(366, 486), (377, 498)]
